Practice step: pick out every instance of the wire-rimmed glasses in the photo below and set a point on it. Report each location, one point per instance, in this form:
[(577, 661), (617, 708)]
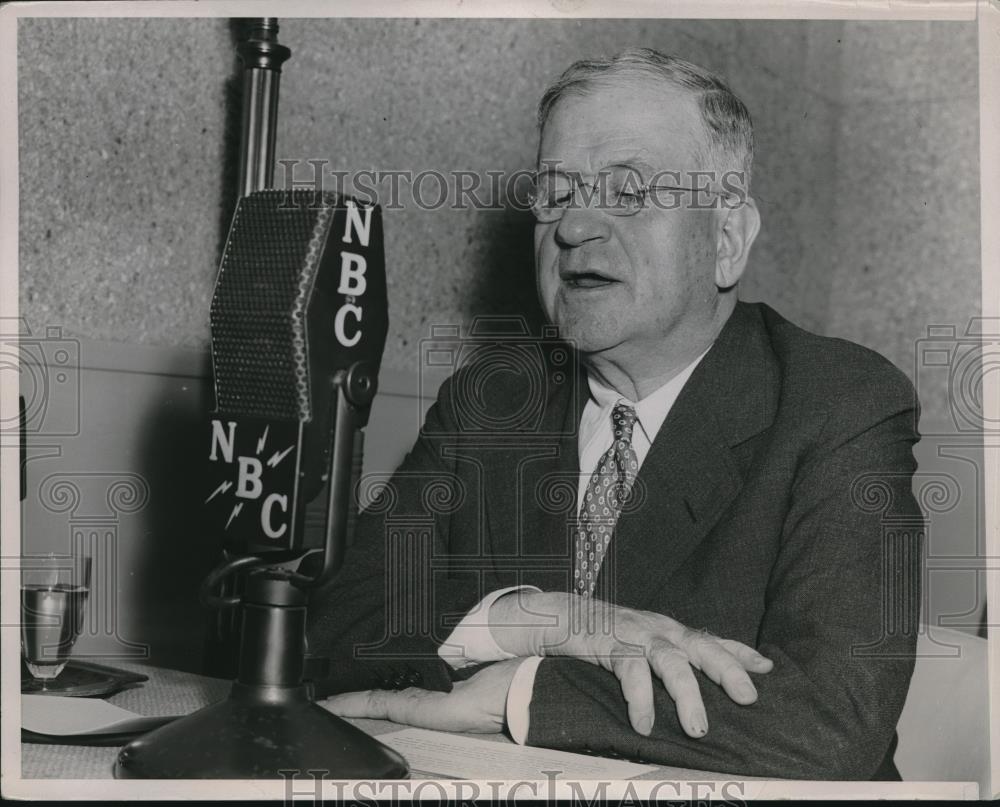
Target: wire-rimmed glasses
[(618, 190)]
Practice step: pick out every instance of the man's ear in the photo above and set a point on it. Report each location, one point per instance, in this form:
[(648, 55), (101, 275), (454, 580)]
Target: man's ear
[(738, 227)]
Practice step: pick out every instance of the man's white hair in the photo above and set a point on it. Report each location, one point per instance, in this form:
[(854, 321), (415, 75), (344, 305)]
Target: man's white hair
[(727, 123)]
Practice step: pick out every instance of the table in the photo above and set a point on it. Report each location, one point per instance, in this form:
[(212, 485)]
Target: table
[(171, 692)]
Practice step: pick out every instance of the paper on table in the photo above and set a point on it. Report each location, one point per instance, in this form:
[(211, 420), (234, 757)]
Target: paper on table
[(465, 757), (61, 716)]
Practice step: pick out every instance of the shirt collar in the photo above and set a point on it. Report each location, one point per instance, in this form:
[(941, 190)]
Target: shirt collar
[(652, 410)]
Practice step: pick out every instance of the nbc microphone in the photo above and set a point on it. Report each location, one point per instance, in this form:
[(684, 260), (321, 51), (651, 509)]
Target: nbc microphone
[(299, 311), (299, 321)]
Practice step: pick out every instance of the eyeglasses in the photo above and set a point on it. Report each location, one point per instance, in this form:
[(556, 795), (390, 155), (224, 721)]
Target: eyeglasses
[(619, 190)]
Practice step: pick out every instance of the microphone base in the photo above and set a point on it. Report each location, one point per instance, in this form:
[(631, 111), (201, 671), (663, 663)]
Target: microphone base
[(259, 732)]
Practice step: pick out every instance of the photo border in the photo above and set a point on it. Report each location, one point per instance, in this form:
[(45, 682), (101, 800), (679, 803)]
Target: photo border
[(988, 16)]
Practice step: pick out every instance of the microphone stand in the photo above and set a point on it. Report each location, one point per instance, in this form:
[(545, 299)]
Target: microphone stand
[(262, 59), (269, 726)]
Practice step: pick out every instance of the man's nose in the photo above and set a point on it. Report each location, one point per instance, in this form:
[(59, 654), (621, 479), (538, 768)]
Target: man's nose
[(579, 225)]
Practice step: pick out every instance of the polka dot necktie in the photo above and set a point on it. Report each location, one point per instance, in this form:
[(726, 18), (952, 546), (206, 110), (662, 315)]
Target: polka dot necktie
[(606, 494)]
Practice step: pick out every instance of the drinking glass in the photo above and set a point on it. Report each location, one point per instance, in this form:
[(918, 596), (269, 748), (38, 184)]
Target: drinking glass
[(54, 591)]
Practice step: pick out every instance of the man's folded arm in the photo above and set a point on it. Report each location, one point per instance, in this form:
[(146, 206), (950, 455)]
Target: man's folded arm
[(471, 642), (829, 708), (385, 614)]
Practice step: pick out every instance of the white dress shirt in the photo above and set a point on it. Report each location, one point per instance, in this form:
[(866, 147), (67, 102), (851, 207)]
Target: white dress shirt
[(471, 642)]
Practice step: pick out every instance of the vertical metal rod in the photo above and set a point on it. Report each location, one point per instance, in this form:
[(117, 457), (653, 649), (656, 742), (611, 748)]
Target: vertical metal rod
[(262, 59)]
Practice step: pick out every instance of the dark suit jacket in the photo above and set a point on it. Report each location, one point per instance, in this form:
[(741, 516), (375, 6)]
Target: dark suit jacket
[(774, 508)]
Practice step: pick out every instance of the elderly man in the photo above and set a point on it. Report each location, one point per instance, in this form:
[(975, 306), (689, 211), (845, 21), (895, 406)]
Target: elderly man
[(719, 591)]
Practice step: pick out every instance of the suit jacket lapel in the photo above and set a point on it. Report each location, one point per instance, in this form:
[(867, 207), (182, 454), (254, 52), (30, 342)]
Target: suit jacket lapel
[(690, 476)]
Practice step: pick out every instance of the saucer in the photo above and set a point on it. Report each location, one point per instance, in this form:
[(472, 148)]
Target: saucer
[(82, 679)]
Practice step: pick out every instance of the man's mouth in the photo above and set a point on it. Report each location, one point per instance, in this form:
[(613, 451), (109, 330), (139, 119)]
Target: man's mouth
[(587, 280)]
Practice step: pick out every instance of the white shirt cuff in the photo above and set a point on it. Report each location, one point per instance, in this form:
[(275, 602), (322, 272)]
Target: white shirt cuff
[(519, 699), (471, 642)]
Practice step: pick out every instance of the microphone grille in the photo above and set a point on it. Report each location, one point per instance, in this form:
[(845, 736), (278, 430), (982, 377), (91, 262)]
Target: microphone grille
[(260, 305)]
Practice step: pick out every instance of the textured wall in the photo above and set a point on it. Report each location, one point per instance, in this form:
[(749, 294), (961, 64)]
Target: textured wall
[(907, 188), (121, 129), (127, 160)]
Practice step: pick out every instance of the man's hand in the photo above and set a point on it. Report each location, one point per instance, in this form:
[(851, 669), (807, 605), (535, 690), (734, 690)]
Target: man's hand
[(477, 704), (633, 645)]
